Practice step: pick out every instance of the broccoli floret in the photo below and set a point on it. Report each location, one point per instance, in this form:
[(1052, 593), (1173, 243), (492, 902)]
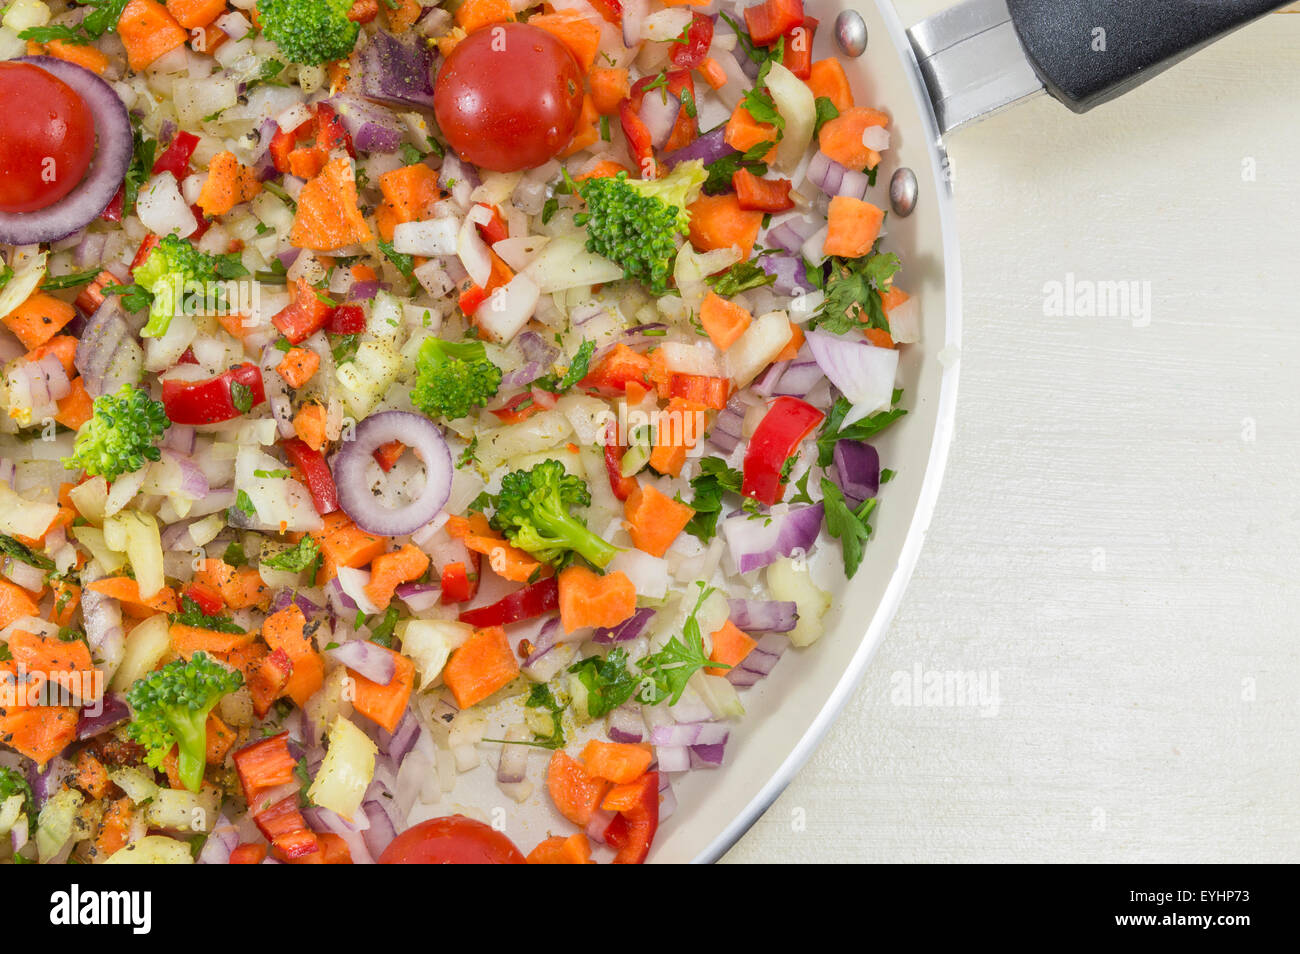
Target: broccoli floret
[(13, 783), (638, 223), (171, 707), (534, 509), (309, 32), (172, 264), (120, 435), (452, 378)]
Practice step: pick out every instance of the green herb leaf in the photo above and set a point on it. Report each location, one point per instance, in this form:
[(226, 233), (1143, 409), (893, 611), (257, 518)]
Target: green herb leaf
[(302, 556), (847, 525)]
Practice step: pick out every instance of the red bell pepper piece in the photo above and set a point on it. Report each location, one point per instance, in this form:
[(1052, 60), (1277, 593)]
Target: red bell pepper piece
[(797, 52), (286, 829), (614, 451), (531, 601), (304, 316), (699, 36), (771, 18), (315, 474), (205, 223), (460, 582), (387, 455), (761, 195), (148, 245), (610, 10), (249, 853), (331, 134), (176, 158), (633, 830), (638, 138), (284, 142), (214, 400), (700, 388), (208, 599), (346, 320), (496, 229), (113, 213), (264, 765), (787, 422)]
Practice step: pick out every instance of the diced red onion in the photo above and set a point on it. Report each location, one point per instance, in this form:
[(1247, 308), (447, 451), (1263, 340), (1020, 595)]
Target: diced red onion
[(857, 470), (634, 14), (630, 628), (369, 659), (372, 127), (599, 824), (790, 234), (667, 799), (397, 73), (625, 725), (419, 597), (458, 178), (708, 148), (659, 113), (799, 378), (534, 348), (709, 755), (688, 733), (353, 833), (113, 711), (289, 595), (104, 331), (352, 462), (864, 373), (513, 764), (24, 574), (853, 184), (381, 832), (544, 642), (756, 543), (673, 758), (764, 616), (825, 173), (790, 273), (220, 843)]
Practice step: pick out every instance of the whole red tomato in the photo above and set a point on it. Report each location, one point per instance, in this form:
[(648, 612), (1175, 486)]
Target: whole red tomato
[(508, 97), (47, 138), (451, 840)]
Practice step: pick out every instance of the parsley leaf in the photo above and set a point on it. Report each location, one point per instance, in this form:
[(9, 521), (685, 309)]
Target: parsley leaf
[(714, 478), (826, 111), (14, 550), (674, 665), (740, 277), (244, 503), (541, 697), (608, 682), (721, 170), (305, 554), (847, 525), (853, 293), (383, 633), (862, 430), (577, 370), (402, 262), (192, 615)]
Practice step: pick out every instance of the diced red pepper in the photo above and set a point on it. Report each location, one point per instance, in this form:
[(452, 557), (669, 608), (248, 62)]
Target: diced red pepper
[(176, 158), (313, 141), (264, 765), (315, 473), (91, 295), (283, 143), (796, 54), (331, 134), (207, 598), (346, 320), (610, 10), (460, 582), (614, 451), (638, 137), (633, 830), (519, 408), (148, 245), (529, 602), (213, 400), (304, 316), (387, 455), (249, 853), (496, 229), (205, 223), (761, 195), (113, 213), (187, 357), (700, 388), (699, 36), (286, 829), (771, 18), (778, 435)]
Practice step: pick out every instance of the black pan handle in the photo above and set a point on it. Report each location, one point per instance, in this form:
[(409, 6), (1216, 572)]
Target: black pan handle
[(1089, 51)]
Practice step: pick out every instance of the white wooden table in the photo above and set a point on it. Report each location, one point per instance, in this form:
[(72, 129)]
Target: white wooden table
[(1116, 541)]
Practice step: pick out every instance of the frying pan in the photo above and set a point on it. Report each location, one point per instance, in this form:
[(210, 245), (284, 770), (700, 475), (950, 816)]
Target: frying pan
[(950, 70)]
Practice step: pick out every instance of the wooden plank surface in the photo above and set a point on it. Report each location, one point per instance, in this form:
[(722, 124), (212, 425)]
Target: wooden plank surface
[(1116, 542)]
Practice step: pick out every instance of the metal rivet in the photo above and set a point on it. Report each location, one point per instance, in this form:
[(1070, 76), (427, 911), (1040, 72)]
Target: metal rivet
[(902, 192), (851, 33)]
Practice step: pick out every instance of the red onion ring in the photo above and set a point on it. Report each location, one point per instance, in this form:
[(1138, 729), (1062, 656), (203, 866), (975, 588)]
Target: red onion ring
[(352, 461), (113, 149)]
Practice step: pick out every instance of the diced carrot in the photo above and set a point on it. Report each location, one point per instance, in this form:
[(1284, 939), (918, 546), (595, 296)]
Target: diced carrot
[(309, 425), (229, 183), (718, 221), (827, 80), (762, 195), (87, 57), (724, 321), (390, 569), (507, 562), (878, 337), (64, 347), (241, 587), (623, 797), (188, 640), (148, 31), (587, 130), (653, 519), (285, 630), (852, 226), (482, 665), (127, 592), (67, 597), (841, 137), (195, 13), (609, 87), (385, 705), (616, 369), (50, 659), (331, 849), (15, 603), (744, 132), (475, 14), (297, 366), (76, 407), (680, 428), (39, 319), (574, 791), (267, 677), (604, 169), (791, 349), (589, 599), (411, 191), (618, 762), (114, 829), (713, 73), (402, 14), (345, 544), (575, 31), (38, 732), (558, 850), (91, 776), (252, 852), (221, 739), (730, 646), (328, 216), (264, 765)]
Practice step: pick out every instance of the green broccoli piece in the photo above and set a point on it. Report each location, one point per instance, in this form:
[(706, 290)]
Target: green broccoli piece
[(452, 378), (638, 223), (120, 435), (534, 508), (13, 783), (172, 264), (171, 707), (309, 32)]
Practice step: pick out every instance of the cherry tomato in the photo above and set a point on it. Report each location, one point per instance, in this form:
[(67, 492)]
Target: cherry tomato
[(509, 97), (47, 139), (451, 840)]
